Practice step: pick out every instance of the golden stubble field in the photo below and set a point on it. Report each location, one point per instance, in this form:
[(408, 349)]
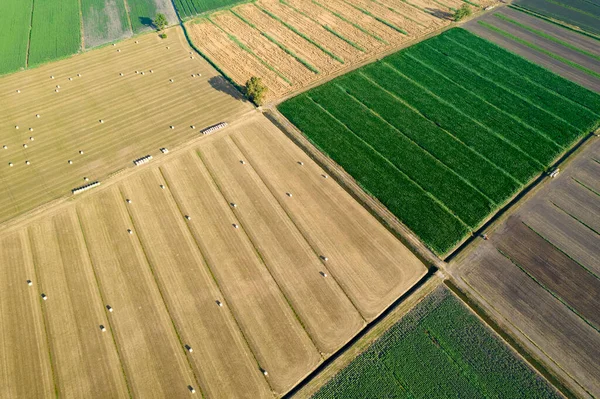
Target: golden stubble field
[(292, 43), (232, 267), (72, 96)]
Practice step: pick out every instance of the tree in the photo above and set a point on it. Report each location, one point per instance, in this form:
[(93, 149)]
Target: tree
[(160, 22), (462, 12), (256, 90)]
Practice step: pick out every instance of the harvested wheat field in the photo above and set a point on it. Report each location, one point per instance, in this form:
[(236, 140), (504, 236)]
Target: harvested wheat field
[(293, 43), (229, 268), (539, 272), (66, 124)]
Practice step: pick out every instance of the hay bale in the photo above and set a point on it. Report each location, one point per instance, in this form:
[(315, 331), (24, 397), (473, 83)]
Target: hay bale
[(288, 194), (44, 297), (27, 163), (101, 121), (188, 348), (120, 73), (31, 138), (5, 147), (37, 115), (10, 164), (324, 258), (56, 90), (172, 127), (193, 126), (24, 145), (78, 75), (70, 162), (102, 328), (17, 127), (29, 283), (323, 274), (242, 162), (80, 152), (18, 91), (171, 80), (58, 86), (235, 226), (130, 231), (219, 303), (109, 308), (325, 176), (191, 388), (31, 129), (86, 179), (151, 71), (233, 204), (70, 78), (51, 77), (162, 186), (128, 201)]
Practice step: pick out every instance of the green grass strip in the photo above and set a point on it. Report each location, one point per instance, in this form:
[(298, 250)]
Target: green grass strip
[(552, 21), (383, 21), (360, 28), (330, 30), (302, 35), (249, 50), (582, 184), (575, 217), (547, 36), (537, 48), (281, 46)]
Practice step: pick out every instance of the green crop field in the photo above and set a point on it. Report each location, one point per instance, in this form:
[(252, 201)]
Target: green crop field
[(188, 8), (438, 350), (445, 132), (55, 30), (15, 37), (104, 21)]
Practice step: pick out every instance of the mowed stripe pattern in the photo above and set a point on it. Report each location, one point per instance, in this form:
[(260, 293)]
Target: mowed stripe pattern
[(70, 112), (193, 292), (446, 131)]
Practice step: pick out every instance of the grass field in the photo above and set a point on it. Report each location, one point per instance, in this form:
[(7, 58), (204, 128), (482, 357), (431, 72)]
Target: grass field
[(189, 8), (142, 12), (104, 21), (14, 42), (438, 350), (69, 119), (292, 43), (445, 132), (162, 259), (540, 272)]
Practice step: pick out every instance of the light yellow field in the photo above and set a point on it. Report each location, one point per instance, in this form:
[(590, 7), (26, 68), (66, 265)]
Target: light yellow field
[(74, 311), (299, 276), (151, 354), (137, 111), (293, 43)]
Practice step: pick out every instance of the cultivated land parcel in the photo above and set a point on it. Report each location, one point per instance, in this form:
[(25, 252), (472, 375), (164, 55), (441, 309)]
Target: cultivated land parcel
[(137, 110), (445, 132), (238, 248)]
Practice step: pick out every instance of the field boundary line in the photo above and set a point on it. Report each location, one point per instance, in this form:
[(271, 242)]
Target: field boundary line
[(429, 194), (513, 337), (29, 38), (158, 287), (302, 35), (365, 337), (539, 49), (296, 226), (81, 28), (501, 87), (449, 104), (548, 290), (367, 201), (34, 263), (553, 21), (99, 288), (210, 271), (546, 36), (331, 30), (258, 254), (560, 250), (410, 139), (127, 13), (485, 57)]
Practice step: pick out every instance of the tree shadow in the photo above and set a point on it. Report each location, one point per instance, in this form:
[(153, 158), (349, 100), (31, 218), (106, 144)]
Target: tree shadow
[(439, 13), (146, 22), (221, 84)]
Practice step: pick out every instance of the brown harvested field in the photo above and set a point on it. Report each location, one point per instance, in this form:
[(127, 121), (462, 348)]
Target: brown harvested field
[(221, 358), (74, 311), (303, 41), (328, 315), (366, 259), (280, 344), (136, 119), (539, 273), (163, 278), (25, 370), (151, 354), (576, 74)]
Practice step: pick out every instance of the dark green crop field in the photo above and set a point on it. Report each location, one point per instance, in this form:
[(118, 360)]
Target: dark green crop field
[(189, 8), (438, 350), (445, 132)]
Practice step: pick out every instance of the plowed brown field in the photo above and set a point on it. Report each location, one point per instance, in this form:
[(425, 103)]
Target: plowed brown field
[(293, 43)]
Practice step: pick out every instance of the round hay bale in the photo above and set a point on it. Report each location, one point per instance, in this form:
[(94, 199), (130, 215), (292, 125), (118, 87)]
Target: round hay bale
[(51, 77), (18, 91), (37, 115), (70, 78), (70, 162), (5, 147), (80, 152), (24, 145), (31, 138), (17, 127), (120, 73), (27, 163), (78, 75), (31, 129), (10, 164)]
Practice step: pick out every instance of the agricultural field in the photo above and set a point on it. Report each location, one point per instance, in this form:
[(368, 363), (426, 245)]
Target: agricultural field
[(292, 43), (582, 14), (190, 8), (438, 350), (236, 246), (539, 272), (62, 28), (445, 132), (563, 51), (72, 96)]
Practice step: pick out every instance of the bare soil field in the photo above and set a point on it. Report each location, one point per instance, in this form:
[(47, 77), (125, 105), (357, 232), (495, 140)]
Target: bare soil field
[(99, 120), (291, 44), (579, 66), (539, 273), (194, 292)]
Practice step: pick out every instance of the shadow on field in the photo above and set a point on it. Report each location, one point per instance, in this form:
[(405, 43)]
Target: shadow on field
[(219, 83), (439, 13), (147, 22)]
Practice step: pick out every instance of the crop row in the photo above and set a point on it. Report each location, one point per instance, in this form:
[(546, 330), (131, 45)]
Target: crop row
[(467, 133), (188, 8), (438, 350)]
